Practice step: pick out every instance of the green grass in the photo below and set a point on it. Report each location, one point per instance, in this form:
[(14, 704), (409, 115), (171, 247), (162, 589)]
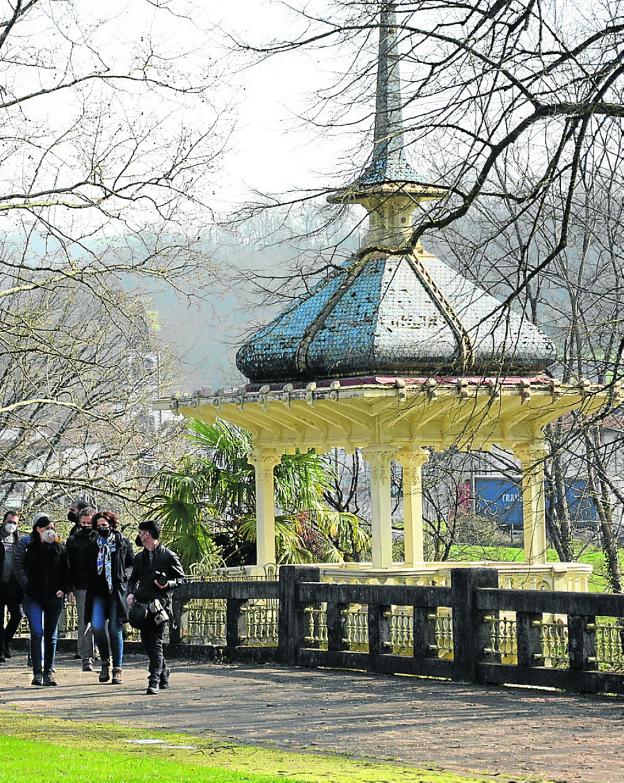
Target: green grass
[(39, 749), (598, 583), (28, 761)]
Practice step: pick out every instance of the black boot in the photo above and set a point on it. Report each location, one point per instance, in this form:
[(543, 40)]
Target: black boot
[(48, 679), (164, 679), (105, 672), (37, 678), (7, 652), (153, 687)]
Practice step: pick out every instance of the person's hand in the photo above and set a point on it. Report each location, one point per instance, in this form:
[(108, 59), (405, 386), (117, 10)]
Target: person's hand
[(59, 593), (130, 599), (162, 587)]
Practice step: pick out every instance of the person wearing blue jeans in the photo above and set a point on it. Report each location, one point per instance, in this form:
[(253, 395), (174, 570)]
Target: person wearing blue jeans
[(105, 617), (41, 567), (110, 557), (43, 616)]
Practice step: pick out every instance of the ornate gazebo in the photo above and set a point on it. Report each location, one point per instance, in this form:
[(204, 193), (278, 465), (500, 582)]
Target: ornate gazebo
[(397, 353)]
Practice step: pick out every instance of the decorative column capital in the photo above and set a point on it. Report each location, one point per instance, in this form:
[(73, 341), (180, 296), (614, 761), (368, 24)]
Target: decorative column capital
[(379, 460), (413, 457), (531, 453), (264, 458)]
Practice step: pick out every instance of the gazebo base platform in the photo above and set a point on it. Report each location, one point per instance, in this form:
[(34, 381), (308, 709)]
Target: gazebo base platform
[(520, 576)]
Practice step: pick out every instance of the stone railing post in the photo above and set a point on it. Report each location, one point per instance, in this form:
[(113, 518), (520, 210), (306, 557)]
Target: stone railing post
[(379, 644), (235, 626), (470, 633), (291, 625), (175, 627)]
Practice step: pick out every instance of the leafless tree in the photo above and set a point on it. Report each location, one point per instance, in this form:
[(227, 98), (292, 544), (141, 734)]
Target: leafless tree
[(103, 195)]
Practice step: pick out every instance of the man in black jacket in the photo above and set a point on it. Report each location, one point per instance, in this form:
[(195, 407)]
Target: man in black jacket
[(78, 553), (156, 573)]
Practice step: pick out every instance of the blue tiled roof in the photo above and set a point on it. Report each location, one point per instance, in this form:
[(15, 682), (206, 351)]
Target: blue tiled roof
[(381, 318)]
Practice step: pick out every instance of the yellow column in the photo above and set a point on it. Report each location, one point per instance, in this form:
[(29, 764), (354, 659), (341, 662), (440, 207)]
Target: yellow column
[(412, 460), (531, 458), (379, 459), (264, 462)]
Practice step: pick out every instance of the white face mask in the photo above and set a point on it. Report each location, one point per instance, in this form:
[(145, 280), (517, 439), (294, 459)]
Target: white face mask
[(10, 527), (49, 536)]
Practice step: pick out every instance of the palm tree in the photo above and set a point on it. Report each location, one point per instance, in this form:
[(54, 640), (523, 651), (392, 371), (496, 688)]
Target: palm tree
[(214, 490)]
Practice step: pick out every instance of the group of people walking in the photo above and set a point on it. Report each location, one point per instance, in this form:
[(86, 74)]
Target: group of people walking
[(109, 583)]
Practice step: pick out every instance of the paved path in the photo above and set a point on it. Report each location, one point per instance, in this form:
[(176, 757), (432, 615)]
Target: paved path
[(422, 722)]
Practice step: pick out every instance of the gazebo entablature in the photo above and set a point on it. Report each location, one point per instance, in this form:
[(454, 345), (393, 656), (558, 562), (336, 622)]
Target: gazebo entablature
[(398, 420)]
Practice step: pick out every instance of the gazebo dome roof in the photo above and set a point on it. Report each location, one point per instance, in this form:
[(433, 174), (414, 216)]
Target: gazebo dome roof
[(398, 315)]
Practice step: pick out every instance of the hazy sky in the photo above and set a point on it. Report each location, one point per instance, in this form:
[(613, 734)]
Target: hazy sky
[(272, 148)]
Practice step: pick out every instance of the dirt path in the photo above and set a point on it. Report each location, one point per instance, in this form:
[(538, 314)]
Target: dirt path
[(421, 722)]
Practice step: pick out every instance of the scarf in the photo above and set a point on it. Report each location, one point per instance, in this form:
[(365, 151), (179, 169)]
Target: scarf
[(106, 547)]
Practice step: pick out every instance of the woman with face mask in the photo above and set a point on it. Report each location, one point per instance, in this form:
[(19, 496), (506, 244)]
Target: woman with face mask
[(46, 584), (10, 590), (105, 607)]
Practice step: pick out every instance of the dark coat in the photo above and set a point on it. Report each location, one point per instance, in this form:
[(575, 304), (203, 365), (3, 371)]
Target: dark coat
[(12, 588), (46, 569), (79, 546), (144, 573), (121, 561)]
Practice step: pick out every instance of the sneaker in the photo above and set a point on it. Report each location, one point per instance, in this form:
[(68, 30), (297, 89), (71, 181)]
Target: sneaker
[(37, 679), (117, 677), (105, 672), (153, 689), (164, 679), (48, 679), (87, 666)]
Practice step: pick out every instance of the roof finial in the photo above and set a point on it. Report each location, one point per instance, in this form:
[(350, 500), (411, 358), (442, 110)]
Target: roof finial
[(388, 166), (388, 162)]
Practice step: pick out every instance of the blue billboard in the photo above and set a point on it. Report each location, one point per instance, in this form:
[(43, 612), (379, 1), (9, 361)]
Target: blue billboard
[(500, 499)]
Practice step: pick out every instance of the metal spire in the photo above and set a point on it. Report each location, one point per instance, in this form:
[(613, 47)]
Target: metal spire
[(388, 166), (388, 163)]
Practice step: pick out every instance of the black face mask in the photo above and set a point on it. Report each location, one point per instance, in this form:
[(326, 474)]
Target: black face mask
[(138, 541), (103, 531), (72, 516)]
